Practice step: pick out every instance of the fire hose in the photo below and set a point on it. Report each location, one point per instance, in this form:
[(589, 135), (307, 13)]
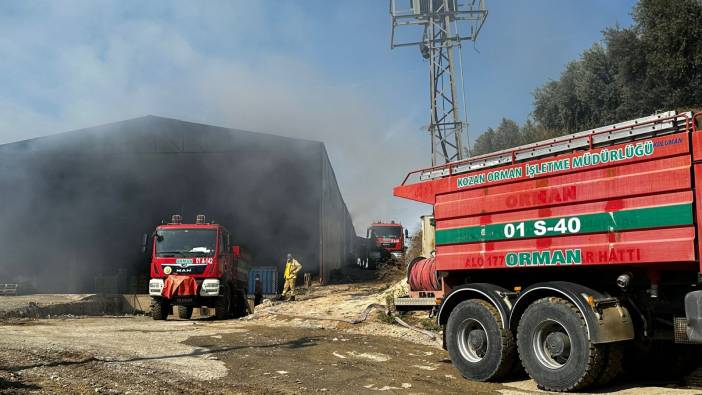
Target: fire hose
[(422, 275)]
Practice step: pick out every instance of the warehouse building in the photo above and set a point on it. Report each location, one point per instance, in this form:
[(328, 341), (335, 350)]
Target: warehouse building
[(76, 205)]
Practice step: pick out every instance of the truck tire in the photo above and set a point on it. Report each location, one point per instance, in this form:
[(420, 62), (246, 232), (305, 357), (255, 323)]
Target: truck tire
[(478, 344), (185, 312), (223, 306), (160, 309), (554, 347), (239, 308)]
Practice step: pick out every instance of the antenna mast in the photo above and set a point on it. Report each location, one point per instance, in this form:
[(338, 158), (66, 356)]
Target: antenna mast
[(442, 22)]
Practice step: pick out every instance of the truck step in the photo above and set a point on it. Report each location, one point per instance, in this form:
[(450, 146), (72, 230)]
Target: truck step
[(428, 302)]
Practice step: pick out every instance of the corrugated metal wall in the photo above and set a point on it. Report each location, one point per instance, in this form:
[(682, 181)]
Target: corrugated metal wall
[(74, 206), (337, 231)]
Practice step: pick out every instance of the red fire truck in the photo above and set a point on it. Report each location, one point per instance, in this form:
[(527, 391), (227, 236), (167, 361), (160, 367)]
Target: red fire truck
[(389, 237), (195, 265), (559, 254)]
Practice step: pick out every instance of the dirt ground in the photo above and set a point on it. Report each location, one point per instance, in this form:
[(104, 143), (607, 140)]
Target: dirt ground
[(305, 346)]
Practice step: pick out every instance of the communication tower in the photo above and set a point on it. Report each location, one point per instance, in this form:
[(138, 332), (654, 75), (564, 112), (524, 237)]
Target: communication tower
[(445, 24)]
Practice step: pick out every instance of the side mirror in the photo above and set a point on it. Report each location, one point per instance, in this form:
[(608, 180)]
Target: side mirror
[(406, 234), (236, 250), (144, 241)]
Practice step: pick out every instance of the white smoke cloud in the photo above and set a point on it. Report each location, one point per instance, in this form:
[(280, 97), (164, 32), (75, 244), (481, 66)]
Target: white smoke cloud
[(77, 64)]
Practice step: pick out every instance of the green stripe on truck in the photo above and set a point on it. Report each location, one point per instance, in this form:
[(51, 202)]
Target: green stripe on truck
[(617, 221)]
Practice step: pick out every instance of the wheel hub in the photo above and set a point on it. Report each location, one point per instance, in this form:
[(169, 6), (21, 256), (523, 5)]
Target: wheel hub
[(472, 340), (551, 344), (557, 344), (477, 339)]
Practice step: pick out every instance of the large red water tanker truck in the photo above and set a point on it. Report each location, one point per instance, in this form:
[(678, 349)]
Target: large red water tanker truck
[(561, 254), (196, 265)]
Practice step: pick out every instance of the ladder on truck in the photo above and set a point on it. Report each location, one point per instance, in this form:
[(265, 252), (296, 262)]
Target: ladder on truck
[(640, 128)]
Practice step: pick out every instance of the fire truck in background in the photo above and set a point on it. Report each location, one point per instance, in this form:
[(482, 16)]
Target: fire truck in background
[(388, 236), (196, 265), (560, 255), (384, 242)]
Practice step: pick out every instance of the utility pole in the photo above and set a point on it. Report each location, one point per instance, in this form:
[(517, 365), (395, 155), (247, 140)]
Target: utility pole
[(442, 22)]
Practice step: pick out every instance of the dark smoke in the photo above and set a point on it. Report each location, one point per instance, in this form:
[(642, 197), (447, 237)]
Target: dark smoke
[(75, 205)]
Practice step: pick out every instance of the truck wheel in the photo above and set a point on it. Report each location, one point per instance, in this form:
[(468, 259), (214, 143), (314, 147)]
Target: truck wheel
[(478, 345), (185, 312), (554, 347), (160, 309), (223, 306), (239, 305)]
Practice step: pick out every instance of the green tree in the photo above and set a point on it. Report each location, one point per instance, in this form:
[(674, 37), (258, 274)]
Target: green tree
[(532, 132), (484, 143), (506, 135), (671, 39), (655, 64)]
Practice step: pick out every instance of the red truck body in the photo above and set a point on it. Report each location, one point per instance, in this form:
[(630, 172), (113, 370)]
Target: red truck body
[(210, 270), (635, 211), (388, 236), (606, 221), (222, 264)]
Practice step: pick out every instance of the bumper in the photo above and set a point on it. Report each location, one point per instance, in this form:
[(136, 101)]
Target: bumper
[(208, 287)]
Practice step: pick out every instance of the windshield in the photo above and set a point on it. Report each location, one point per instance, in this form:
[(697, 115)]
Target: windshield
[(391, 232), (186, 242)]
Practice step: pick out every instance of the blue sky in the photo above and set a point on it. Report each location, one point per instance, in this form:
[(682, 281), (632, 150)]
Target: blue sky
[(313, 69)]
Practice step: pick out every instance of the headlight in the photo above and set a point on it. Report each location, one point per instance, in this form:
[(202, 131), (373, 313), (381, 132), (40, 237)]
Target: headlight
[(155, 287), (209, 287)]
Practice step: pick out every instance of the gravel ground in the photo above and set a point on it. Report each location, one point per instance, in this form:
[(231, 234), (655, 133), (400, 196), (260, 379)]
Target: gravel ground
[(305, 346)]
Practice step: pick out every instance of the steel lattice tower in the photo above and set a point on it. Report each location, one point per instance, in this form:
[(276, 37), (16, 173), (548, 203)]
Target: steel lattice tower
[(442, 22)]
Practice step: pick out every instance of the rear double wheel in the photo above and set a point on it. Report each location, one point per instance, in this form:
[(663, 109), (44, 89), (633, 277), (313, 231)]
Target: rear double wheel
[(478, 344), (555, 350)]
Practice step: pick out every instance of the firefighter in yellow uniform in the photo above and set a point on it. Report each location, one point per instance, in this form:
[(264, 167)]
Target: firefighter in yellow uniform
[(292, 267)]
